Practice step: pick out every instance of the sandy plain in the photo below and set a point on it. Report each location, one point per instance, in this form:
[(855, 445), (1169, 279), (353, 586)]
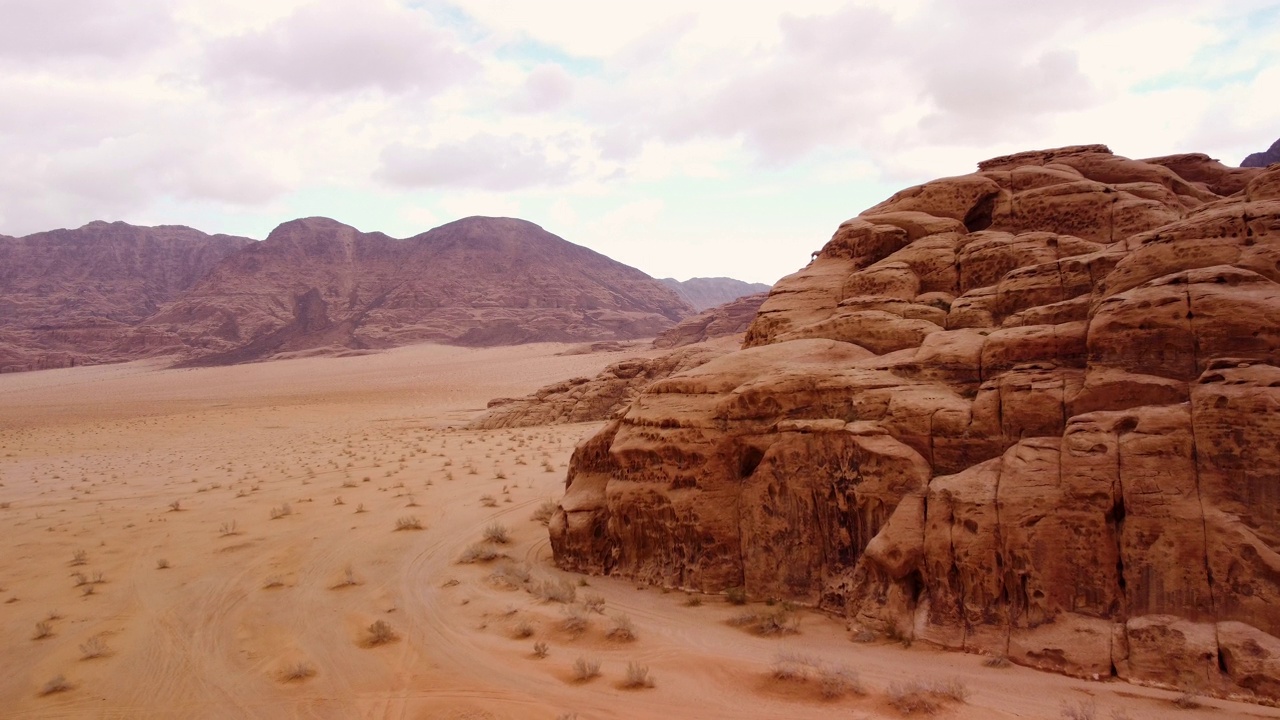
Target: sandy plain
[(217, 543)]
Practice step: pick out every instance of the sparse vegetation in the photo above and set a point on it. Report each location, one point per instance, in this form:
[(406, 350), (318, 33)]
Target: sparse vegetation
[(585, 669), (523, 629), (409, 522), (488, 501), (557, 590), (380, 633), (273, 581), (1079, 710), (497, 533), (44, 629), (637, 676), (282, 510), (997, 661), (918, 696), (56, 684), (832, 680), (79, 557), (175, 506), (227, 528), (593, 602), (479, 552), (162, 564), (94, 647), (736, 595), (298, 671), (693, 601), (575, 620), (1187, 701), (540, 649), (623, 629), (544, 511), (779, 621)]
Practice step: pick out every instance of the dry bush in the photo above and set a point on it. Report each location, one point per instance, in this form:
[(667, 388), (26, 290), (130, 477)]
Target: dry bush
[(584, 669), (488, 501), (593, 602), (1187, 701), (557, 590), (87, 591), (523, 630), (175, 506), (540, 649), (227, 528), (623, 629), (1079, 710), (544, 511), (637, 676), (781, 621), (575, 620), (838, 680), (298, 671), (497, 533), (736, 595), (44, 629), (79, 557), (94, 647), (80, 578), (997, 661), (56, 684), (479, 552), (162, 564), (273, 581), (693, 601), (918, 696), (409, 522), (380, 633), (283, 510)]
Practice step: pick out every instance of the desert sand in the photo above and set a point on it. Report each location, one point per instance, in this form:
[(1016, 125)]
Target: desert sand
[(217, 543)]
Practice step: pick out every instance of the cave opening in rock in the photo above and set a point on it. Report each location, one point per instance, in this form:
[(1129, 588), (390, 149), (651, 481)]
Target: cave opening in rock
[(979, 216), (749, 461)]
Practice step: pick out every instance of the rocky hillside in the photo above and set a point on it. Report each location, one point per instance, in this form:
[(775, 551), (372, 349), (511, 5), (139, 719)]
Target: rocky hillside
[(71, 296), (1033, 411), (317, 285), (731, 318), (706, 293), (1264, 158)]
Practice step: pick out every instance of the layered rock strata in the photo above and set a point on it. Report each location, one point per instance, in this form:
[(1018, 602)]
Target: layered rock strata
[(1032, 411), (731, 318)]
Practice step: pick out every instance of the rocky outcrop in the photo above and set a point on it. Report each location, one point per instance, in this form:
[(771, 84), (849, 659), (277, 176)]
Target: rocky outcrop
[(70, 297), (731, 318), (1032, 411), (1262, 159), (592, 399), (706, 293)]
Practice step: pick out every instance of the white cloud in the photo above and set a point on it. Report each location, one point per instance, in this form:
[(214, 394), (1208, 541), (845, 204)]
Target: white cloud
[(483, 161)]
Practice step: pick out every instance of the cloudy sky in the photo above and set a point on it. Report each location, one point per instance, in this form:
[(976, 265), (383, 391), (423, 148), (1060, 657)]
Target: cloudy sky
[(726, 139)]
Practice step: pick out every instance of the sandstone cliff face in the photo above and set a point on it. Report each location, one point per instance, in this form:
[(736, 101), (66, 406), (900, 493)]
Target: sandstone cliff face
[(731, 318), (479, 281), (706, 293), (1031, 411), (1264, 158), (70, 296)]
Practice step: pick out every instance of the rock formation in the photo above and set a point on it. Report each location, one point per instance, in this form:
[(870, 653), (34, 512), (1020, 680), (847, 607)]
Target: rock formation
[(724, 320), (71, 296), (706, 293), (1262, 159), (599, 398), (1033, 411)]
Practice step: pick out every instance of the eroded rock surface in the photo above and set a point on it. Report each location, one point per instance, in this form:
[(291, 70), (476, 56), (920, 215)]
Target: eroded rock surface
[(1032, 411), (731, 318)]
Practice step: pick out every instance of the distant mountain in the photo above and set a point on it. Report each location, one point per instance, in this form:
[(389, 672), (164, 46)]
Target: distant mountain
[(71, 296), (1265, 158), (704, 293), (314, 285)]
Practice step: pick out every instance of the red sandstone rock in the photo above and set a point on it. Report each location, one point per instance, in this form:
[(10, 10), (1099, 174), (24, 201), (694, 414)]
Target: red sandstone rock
[(1032, 411)]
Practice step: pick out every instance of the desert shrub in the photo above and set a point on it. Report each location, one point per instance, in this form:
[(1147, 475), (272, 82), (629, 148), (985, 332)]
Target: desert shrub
[(997, 661), (1079, 710), (736, 595), (298, 671), (497, 533), (380, 633), (544, 511), (274, 581), (585, 669), (94, 647), (593, 602), (557, 590), (540, 649), (56, 684), (693, 601), (917, 696), (780, 621), (409, 522), (488, 501), (227, 528), (575, 620), (175, 506), (1187, 701), (479, 552), (44, 629), (283, 510), (79, 557), (623, 629), (162, 564), (637, 676), (523, 629), (838, 680), (864, 636)]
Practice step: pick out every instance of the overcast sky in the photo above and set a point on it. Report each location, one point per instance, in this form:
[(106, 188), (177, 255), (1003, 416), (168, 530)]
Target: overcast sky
[(729, 139)]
